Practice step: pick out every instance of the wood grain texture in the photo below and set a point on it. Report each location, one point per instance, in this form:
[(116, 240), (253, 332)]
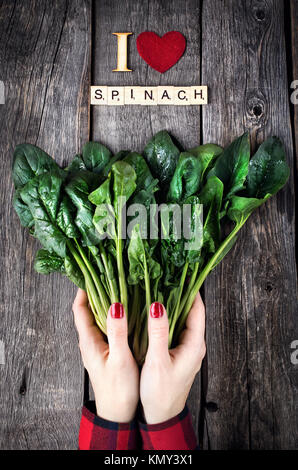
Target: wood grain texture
[(248, 384), (251, 298), (131, 127), (293, 12), (44, 56)]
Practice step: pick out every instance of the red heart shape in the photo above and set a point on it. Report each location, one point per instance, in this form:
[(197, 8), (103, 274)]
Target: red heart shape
[(161, 53)]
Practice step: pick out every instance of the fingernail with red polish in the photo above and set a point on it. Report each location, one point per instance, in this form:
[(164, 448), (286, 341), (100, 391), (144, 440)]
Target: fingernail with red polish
[(117, 310), (156, 310)]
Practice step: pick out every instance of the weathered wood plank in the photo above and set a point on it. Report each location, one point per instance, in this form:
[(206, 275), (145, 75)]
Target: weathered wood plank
[(44, 55), (294, 29), (251, 298), (131, 127)]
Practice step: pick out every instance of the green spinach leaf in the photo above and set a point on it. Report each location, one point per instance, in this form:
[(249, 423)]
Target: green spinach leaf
[(207, 154), (186, 179), (211, 198), (268, 171), (78, 190), (44, 228), (22, 210), (231, 167), (162, 156), (30, 161), (96, 156), (46, 262)]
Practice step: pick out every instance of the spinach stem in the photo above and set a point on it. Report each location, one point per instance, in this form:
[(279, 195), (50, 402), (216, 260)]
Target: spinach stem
[(98, 261), (140, 344), (147, 285), (174, 318), (93, 308), (97, 282), (90, 288), (120, 266), (204, 273), (189, 287), (135, 313), (109, 275)]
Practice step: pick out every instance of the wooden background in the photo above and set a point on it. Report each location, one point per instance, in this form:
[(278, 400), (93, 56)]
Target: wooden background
[(246, 396)]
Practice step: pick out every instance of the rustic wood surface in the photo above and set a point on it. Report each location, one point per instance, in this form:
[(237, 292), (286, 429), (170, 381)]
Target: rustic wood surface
[(251, 298), (247, 393), (293, 70), (44, 63)]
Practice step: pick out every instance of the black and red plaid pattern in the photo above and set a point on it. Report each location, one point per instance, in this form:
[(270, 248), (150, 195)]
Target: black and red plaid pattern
[(99, 434), (175, 434)]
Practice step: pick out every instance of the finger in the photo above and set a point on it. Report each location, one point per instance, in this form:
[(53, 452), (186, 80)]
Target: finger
[(158, 331), (117, 330), (194, 333), (196, 318), (83, 317), (82, 314)]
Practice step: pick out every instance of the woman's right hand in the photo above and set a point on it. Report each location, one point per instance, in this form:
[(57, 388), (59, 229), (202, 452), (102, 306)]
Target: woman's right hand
[(167, 375), (111, 367)]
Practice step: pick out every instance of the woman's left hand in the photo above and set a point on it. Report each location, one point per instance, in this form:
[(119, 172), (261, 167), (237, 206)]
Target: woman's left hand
[(167, 375)]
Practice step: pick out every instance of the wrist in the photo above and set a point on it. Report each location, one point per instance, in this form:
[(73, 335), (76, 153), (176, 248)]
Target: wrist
[(123, 414), (155, 416)]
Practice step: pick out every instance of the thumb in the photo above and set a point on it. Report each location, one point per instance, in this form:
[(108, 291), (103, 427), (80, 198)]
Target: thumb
[(117, 329), (158, 330)]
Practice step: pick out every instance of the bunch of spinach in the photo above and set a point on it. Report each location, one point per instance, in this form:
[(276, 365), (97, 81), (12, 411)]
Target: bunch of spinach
[(81, 216)]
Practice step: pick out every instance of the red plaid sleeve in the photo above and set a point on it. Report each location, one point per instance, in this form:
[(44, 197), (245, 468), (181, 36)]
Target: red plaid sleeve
[(99, 434), (175, 434)]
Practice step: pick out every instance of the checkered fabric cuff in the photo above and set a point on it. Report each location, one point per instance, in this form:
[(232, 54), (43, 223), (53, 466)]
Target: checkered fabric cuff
[(175, 434), (99, 434)]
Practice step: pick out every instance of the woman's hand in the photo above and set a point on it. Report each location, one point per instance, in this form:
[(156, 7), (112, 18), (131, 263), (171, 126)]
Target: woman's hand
[(111, 367), (167, 375)]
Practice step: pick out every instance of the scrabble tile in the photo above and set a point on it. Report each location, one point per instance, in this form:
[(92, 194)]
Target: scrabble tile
[(199, 95), (99, 95), (165, 95), (148, 96), (115, 96), (182, 96), (131, 94)]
